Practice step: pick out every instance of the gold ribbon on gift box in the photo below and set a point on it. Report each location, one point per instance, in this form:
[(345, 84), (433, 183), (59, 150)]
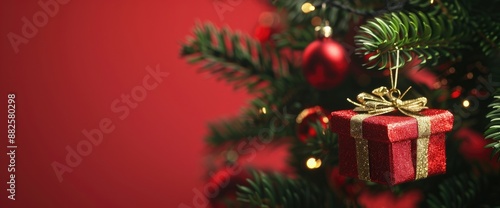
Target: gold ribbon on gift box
[(377, 104), (382, 101)]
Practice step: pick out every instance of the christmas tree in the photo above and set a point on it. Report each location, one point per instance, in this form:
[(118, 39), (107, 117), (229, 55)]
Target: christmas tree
[(307, 58)]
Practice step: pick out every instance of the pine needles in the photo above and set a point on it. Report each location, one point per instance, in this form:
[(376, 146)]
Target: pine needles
[(466, 190), (414, 34), (269, 191), (493, 129), (236, 58)]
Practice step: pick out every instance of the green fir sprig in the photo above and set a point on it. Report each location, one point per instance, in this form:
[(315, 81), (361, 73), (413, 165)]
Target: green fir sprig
[(415, 35), (234, 57), (274, 190), (493, 129)]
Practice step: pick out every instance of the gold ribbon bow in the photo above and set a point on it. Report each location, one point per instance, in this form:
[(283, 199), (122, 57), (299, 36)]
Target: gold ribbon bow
[(383, 100), (377, 104)]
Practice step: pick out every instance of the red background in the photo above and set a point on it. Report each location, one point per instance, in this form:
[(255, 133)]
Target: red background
[(66, 77)]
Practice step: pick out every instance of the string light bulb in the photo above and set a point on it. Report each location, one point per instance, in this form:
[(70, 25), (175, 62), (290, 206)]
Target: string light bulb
[(313, 163), (307, 7), (263, 110), (325, 119), (466, 103)]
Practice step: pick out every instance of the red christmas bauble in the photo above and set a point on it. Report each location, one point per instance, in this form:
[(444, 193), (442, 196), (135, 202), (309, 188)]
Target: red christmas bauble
[(308, 117), (262, 33), (324, 63), (472, 147), (222, 184)]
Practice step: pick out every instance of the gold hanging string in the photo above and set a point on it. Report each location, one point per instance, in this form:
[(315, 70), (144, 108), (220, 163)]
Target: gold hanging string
[(394, 78), (383, 100)]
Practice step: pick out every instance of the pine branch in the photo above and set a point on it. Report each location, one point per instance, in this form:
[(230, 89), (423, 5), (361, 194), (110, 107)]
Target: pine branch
[(487, 30), (235, 130), (273, 113), (450, 8), (290, 91), (457, 191), (422, 4), (268, 191), (493, 129), (466, 190), (353, 10), (234, 57), (324, 147), (339, 16), (260, 121), (295, 38), (427, 37)]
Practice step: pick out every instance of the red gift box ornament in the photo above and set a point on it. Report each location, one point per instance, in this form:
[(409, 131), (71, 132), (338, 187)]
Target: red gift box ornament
[(391, 148)]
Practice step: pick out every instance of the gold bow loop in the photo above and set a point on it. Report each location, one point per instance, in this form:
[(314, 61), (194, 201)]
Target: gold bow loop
[(383, 100)]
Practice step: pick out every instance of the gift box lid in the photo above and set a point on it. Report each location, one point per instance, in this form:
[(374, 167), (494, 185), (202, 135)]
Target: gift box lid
[(392, 127)]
